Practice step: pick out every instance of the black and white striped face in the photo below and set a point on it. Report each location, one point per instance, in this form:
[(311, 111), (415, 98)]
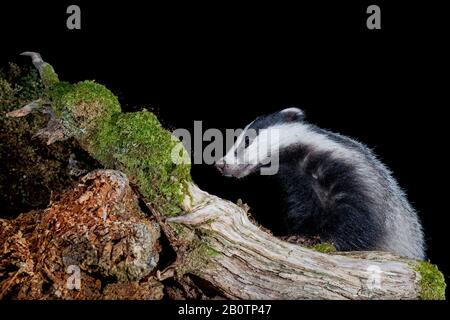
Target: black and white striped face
[(259, 144)]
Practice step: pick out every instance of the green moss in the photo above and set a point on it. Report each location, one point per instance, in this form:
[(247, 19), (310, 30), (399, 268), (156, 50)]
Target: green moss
[(91, 92), (138, 145), (48, 75), (86, 106), (177, 228), (55, 95), (198, 258), (74, 98), (432, 283), (324, 247), (134, 143), (210, 252), (83, 107)]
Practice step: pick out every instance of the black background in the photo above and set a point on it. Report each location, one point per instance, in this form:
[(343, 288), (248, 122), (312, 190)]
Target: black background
[(227, 63)]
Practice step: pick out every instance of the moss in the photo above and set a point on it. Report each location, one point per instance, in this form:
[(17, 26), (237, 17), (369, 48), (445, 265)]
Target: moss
[(134, 143), (138, 145), (182, 232), (85, 106), (209, 251), (48, 75), (431, 283), (55, 95), (91, 92), (198, 258), (324, 247)]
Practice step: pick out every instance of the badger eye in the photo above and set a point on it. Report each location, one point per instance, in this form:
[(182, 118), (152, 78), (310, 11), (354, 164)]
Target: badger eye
[(246, 141)]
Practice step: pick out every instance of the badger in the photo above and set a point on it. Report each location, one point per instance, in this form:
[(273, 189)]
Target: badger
[(332, 186)]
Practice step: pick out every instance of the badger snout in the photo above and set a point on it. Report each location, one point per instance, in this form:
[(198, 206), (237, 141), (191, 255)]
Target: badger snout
[(231, 170), (223, 168), (220, 166)]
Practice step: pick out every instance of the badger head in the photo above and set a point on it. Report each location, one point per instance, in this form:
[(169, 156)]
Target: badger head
[(259, 144)]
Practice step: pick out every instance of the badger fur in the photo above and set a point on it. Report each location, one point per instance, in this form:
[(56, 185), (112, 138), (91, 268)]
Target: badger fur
[(332, 186)]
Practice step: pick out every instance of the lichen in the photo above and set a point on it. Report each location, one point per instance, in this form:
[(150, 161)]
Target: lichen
[(431, 283), (324, 247)]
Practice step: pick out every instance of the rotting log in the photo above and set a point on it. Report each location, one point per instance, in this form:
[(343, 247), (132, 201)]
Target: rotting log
[(213, 238), (95, 234)]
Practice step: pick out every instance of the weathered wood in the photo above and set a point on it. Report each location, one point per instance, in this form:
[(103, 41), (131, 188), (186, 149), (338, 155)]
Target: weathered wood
[(246, 262)]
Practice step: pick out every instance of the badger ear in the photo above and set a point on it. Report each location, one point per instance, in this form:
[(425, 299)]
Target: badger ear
[(293, 114)]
